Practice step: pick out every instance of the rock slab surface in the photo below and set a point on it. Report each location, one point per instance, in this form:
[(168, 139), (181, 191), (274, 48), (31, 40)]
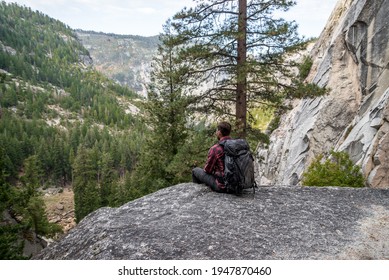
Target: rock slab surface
[(188, 221)]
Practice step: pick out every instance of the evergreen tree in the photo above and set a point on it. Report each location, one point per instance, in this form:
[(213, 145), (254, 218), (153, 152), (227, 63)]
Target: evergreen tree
[(32, 175), (108, 179), (85, 185), (166, 112), (238, 49), (31, 205), (10, 245)]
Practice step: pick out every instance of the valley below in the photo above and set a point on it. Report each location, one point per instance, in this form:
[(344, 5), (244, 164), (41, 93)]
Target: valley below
[(60, 207)]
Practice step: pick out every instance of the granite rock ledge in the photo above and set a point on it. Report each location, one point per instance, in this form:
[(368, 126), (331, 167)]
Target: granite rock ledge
[(188, 221)]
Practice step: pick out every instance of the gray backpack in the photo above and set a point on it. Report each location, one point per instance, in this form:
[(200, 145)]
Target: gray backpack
[(238, 166)]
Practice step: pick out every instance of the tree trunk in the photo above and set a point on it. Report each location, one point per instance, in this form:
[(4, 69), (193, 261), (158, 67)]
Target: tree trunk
[(241, 89)]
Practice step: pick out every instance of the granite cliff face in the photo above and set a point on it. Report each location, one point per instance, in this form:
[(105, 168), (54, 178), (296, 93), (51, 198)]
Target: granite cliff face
[(188, 221), (351, 58), (124, 58)]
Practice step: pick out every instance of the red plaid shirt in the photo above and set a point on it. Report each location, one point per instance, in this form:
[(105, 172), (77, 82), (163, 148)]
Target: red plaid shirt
[(215, 162)]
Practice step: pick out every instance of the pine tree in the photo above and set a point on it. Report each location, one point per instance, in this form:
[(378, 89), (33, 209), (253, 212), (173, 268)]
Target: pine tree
[(32, 175), (10, 245), (85, 185), (108, 178), (238, 49), (166, 113), (30, 204)]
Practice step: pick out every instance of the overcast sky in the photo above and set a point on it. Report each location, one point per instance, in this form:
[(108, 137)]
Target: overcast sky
[(145, 17)]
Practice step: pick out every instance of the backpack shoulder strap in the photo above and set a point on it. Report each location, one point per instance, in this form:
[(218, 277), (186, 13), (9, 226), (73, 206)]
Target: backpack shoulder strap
[(223, 142)]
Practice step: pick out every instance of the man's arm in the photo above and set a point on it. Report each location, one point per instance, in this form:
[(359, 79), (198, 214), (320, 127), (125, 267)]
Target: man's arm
[(211, 161)]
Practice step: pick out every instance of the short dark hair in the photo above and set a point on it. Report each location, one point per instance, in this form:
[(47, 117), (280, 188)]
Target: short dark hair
[(224, 128)]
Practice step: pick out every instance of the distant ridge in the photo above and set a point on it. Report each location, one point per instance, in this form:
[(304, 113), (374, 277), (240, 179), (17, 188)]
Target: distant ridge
[(123, 58), (124, 36)]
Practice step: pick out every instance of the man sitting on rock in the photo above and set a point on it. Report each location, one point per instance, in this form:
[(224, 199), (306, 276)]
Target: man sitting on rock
[(213, 172)]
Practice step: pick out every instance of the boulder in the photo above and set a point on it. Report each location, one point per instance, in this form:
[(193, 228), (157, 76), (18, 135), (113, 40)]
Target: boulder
[(188, 221)]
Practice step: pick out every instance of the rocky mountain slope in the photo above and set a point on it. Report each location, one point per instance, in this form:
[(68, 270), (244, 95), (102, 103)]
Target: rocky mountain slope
[(54, 109), (188, 221), (124, 58), (351, 58)]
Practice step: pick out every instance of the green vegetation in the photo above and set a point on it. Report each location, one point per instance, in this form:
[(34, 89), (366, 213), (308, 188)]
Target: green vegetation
[(243, 48), (173, 146), (338, 170), (261, 117), (26, 202), (305, 67), (64, 124), (10, 245), (56, 113)]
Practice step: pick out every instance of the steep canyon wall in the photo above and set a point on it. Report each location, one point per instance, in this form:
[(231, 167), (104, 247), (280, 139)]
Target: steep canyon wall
[(351, 58)]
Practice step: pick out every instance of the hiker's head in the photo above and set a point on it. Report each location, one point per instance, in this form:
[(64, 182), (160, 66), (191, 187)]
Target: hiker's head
[(223, 129)]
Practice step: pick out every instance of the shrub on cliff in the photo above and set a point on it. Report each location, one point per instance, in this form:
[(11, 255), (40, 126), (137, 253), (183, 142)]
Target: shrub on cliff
[(305, 67), (338, 171)]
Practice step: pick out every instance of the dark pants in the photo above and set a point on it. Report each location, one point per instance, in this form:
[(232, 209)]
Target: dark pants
[(199, 176)]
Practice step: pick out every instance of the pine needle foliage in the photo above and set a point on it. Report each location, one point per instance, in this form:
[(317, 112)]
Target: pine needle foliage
[(239, 50), (165, 157)]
